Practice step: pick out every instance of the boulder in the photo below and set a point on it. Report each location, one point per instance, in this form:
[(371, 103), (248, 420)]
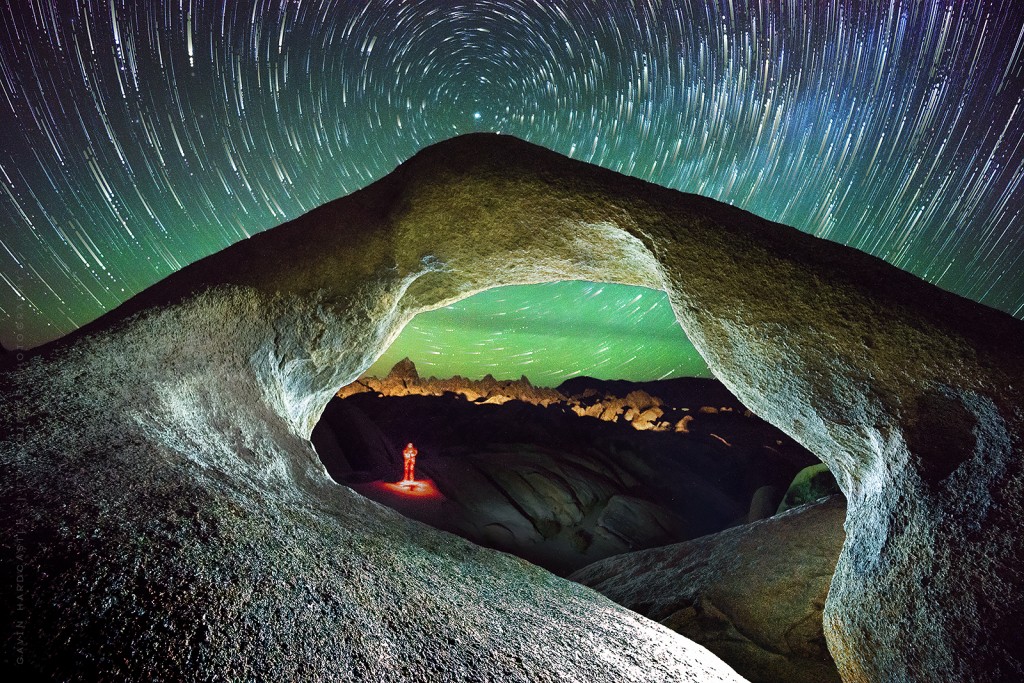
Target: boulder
[(753, 594), (764, 503), (635, 522), (404, 372), (810, 484)]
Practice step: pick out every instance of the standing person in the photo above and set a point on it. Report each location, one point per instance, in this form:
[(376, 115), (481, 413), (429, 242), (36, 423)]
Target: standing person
[(409, 454)]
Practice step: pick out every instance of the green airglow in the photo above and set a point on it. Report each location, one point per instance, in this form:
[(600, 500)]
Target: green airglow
[(550, 332)]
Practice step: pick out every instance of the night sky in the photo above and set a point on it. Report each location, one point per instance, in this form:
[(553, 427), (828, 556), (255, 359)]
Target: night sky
[(138, 136), (550, 332)]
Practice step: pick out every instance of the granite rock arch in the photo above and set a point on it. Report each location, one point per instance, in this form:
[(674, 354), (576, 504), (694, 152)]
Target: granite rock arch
[(217, 374)]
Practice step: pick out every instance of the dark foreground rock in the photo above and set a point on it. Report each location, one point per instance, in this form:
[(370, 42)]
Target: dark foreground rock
[(753, 595), (809, 484), (168, 514), (521, 470)]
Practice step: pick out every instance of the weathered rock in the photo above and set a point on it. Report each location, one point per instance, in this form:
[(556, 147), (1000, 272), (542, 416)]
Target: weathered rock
[(764, 503), (683, 426), (753, 594), (911, 395), (404, 380), (585, 396), (637, 523), (692, 393), (163, 524), (404, 371)]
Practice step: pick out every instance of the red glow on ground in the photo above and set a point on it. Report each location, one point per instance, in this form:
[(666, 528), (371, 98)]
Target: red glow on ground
[(421, 488), (420, 500)]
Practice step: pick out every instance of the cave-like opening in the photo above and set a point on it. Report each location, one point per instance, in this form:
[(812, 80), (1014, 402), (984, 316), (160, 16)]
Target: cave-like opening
[(563, 422), (570, 424)]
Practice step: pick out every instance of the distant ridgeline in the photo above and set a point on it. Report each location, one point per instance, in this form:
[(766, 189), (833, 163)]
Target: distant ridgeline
[(661, 405)]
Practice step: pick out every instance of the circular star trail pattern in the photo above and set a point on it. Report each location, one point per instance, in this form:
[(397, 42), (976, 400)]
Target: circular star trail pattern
[(141, 135)]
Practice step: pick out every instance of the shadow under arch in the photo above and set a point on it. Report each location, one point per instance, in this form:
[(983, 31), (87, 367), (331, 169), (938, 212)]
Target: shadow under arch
[(868, 367)]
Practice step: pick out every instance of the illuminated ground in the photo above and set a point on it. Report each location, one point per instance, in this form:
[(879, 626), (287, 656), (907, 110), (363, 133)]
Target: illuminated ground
[(420, 500)]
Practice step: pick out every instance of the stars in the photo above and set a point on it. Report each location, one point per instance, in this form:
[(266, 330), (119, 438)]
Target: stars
[(141, 135), (550, 332)]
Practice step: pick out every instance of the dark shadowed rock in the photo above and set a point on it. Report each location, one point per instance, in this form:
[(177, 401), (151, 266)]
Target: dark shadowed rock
[(563, 490), (809, 484), (685, 392), (350, 444), (171, 516), (764, 503), (753, 595), (636, 522)]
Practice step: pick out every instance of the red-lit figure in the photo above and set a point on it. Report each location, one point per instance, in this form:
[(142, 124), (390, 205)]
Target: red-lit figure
[(409, 454)]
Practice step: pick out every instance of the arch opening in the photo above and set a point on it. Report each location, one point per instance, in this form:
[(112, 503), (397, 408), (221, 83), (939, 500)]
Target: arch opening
[(549, 332), (569, 469)]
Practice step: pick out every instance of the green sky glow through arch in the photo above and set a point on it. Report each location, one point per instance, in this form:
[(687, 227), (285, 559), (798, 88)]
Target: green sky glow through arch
[(550, 332)]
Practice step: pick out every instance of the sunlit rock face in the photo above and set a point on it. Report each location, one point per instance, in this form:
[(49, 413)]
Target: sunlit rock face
[(404, 380), (753, 594), (170, 515)]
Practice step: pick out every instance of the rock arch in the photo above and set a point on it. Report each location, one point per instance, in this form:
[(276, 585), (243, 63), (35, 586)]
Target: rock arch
[(913, 396)]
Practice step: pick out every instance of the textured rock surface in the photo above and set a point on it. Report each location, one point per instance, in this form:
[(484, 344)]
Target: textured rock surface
[(764, 503), (162, 523), (753, 595), (911, 395), (405, 380), (609, 401)]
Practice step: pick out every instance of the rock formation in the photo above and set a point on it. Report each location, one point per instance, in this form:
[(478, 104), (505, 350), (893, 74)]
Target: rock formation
[(170, 515), (809, 484), (405, 380), (161, 523), (753, 595), (609, 401)]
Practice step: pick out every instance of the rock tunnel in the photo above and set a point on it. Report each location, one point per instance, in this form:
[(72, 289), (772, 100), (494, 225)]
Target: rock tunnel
[(911, 395)]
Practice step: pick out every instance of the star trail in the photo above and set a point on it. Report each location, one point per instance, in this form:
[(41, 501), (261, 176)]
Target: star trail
[(141, 135), (549, 333)]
